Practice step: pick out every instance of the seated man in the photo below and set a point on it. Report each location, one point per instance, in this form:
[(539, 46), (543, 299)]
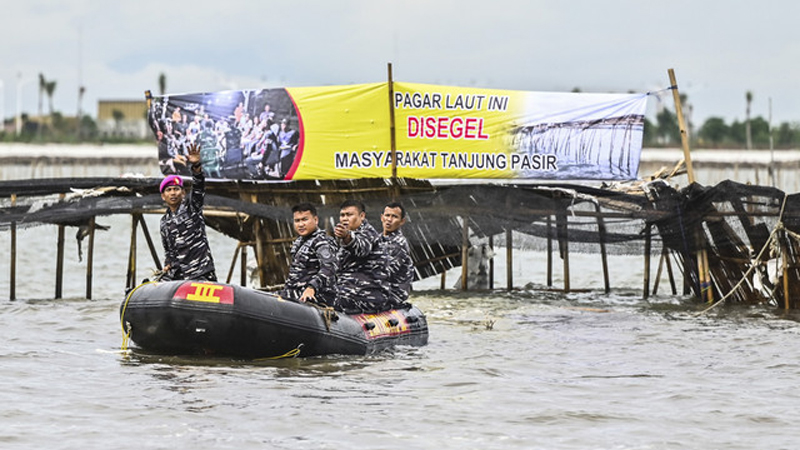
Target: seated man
[(394, 246), (183, 227), (362, 274), (313, 270)]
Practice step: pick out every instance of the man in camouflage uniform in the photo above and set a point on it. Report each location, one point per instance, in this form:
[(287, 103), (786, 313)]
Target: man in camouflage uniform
[(312, 274), (183, 227), (394, 246), (362, 269)]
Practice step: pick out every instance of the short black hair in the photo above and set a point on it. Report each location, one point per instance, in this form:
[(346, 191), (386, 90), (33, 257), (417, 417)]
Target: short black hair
[(397, 205), (350, 202), (301, 207)]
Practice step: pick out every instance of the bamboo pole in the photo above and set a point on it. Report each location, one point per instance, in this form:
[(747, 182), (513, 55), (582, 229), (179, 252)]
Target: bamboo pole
[(709, 289), (682, 124), (784, 260), (149, 241), (669, 272), (243, 266), (90, 259), (658, 273), (464, 253), (647, 243), (509, 259), (601, 230), (563, 245), (130, 281), (60, 258), (392, 137), (702, 257), (491, 263), (233, 263), (260, 256), (12, 288), (549, 251)]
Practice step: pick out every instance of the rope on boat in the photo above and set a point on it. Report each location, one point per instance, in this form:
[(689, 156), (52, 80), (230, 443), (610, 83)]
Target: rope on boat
[(293, 353), (126, 334), (770, 243)]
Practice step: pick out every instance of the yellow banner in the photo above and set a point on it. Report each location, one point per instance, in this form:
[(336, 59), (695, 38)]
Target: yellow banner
[(451, 132), (344, 132)]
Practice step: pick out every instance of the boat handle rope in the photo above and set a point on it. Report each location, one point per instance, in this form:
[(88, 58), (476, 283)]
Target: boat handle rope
[(293, 353), (126, 334)]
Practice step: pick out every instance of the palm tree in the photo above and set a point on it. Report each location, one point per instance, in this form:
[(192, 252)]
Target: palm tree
[(50, 87), (118, 116), (162, 83), (748, 133), (42, 87)]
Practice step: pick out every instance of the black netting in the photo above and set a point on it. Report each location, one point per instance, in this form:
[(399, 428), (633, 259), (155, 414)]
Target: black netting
[(727, 224)]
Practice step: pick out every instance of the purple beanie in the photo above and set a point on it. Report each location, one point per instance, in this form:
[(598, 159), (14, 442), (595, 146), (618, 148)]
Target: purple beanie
[(170, 180)]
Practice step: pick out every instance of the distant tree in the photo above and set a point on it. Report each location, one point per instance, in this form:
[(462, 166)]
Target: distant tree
[(50, 88), (42, 88), (713, 131), (738, 134), (649, 138), (748, 133), (787, 135), (118, 116), (667, 128), (79, 115), (162, 83), (759, 132), (88, 127)]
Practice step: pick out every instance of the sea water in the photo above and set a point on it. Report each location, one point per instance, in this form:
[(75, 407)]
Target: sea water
[(522, 369), (529, 368)]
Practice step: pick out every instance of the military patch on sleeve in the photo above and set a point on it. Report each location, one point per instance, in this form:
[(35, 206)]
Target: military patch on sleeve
[(325, 252)]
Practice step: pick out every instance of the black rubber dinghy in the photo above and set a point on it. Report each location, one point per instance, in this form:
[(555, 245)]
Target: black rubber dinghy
[(206, 318)]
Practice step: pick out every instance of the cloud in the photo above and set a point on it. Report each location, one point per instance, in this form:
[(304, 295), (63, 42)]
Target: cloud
[(719, 49)]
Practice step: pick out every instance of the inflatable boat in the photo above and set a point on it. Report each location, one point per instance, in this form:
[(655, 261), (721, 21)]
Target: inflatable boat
[(194, 317)]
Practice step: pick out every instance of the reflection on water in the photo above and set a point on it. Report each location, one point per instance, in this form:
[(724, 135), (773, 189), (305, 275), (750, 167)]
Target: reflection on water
[(521, 369), (555, 370)]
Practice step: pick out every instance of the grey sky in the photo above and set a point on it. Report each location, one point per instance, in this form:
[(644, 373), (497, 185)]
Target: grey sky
[(719, 49)]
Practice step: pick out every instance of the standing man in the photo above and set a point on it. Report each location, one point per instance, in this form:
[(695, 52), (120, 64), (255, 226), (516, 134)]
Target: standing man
[(183, 227), (312, 274), (362, 269), (394, 246)]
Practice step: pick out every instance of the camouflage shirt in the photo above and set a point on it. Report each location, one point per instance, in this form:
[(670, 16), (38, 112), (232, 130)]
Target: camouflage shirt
[(361, 281), (313, 264), (183, 234), (399, 266)]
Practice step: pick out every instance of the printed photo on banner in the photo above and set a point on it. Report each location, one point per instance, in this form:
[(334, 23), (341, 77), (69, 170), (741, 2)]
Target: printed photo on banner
[(251, 134)]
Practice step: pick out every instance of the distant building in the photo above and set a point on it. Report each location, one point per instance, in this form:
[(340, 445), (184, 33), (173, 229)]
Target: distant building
[(122, 118)]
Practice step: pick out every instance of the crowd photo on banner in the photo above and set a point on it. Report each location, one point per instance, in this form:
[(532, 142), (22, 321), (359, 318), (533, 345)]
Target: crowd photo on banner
[(241, 134)]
